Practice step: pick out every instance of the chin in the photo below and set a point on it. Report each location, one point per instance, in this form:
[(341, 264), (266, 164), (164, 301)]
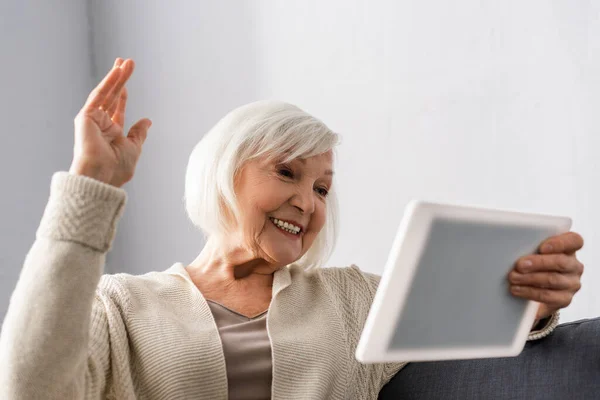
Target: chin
[(283, 257), (281, 251)]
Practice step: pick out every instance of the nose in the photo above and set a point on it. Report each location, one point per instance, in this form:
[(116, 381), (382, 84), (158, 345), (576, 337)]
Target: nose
[(304, 201)]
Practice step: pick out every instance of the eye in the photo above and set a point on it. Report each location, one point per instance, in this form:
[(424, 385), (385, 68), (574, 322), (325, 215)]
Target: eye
[(322, 191), (285, 171)]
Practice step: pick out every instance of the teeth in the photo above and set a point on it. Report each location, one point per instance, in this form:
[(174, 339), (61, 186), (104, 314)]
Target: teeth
[(286, 226)]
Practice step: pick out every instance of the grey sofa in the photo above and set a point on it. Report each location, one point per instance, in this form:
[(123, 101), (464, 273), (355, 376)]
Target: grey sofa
[(564, 365)]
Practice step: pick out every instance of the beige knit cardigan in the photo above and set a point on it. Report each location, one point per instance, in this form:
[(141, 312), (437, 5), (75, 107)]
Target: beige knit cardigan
[(71, 332)]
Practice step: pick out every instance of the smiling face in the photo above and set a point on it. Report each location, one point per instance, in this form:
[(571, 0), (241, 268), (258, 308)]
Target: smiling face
[(283, 205)]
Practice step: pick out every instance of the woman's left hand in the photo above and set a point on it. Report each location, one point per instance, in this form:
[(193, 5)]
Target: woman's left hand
[(551, 277)]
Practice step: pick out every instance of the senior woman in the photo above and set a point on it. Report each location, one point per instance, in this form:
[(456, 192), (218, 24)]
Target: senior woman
[(253, 316)]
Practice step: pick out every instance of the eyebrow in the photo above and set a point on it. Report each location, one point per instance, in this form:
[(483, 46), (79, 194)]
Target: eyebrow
[(327, 172)]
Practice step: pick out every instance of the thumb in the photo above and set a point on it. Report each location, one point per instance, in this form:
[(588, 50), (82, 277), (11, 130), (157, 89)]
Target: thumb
[(139, 131)]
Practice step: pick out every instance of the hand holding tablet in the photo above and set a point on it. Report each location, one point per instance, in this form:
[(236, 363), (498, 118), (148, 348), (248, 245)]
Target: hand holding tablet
[(444, 292)]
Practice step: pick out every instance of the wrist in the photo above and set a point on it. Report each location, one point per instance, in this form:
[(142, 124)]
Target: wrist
[(90, 171)]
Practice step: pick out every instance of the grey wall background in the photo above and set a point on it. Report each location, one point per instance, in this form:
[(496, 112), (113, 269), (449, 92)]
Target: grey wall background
[(487, 103), (195, 62), (44, 75)]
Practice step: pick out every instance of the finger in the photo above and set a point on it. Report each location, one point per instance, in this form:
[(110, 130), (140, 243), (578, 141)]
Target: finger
[(546, 280), (118, 115), (111, 101), (552, 298), (113, 107), (127, 69), (568, 243), (562, 263), (139, 131), (99, 94)]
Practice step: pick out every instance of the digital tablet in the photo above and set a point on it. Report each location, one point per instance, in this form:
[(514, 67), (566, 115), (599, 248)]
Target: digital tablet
[(444, 292)]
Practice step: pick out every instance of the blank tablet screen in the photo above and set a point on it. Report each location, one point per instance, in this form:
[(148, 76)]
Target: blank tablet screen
[(461, 282)]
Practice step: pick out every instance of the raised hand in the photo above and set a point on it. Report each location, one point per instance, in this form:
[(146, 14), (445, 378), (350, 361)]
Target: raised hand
[(101, 150), (551, 277)]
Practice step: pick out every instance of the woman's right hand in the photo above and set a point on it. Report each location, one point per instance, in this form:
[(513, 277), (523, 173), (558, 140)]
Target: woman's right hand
[(101, 151)]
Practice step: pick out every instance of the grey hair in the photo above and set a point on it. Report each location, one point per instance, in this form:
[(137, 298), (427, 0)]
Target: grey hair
[(263, 128)]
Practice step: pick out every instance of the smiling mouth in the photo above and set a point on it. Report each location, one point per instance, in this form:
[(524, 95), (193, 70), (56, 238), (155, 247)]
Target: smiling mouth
[(286, 226)]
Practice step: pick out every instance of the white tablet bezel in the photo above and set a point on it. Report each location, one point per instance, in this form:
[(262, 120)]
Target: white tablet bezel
[(401, 266)]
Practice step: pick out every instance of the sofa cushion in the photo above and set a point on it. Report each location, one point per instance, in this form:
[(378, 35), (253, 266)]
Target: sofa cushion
[(564, 365)]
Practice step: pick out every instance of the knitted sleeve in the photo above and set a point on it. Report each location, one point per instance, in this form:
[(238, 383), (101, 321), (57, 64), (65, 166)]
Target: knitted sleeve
[(388, 370), (55, 337), (546, 329), (354, 292)]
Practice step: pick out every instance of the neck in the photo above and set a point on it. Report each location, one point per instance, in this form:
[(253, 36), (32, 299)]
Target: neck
[(221, 263)]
